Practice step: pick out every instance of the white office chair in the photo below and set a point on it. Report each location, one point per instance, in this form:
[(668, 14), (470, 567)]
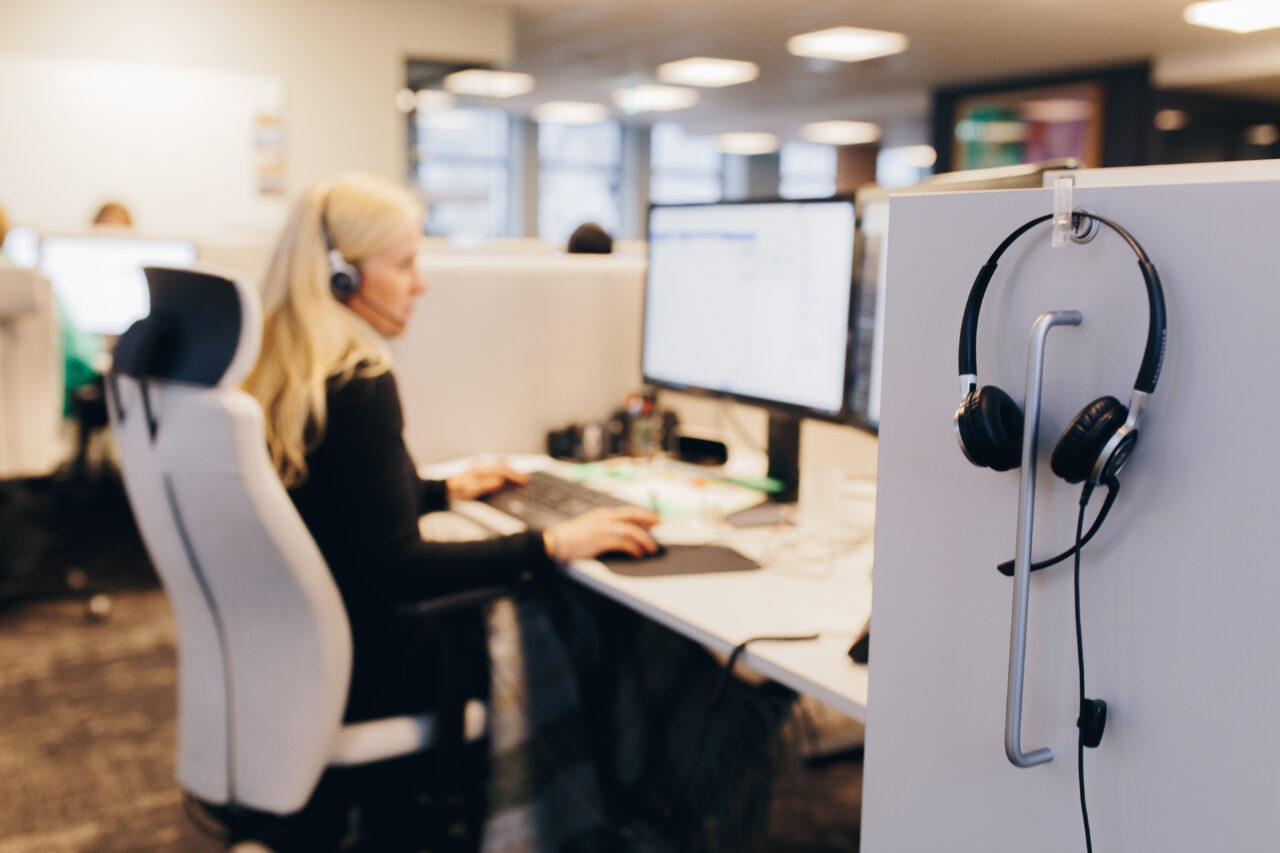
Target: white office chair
[(264, 645)]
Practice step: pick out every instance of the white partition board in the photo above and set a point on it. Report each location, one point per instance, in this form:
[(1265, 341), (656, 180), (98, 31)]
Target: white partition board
[(1181, 592), (502, 349)]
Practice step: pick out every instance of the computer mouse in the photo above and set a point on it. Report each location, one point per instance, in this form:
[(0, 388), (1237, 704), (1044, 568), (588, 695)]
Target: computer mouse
[(623, 555)]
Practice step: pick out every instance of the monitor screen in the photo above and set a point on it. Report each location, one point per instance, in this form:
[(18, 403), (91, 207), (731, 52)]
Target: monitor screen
[(868, 350), (22, 246), (99, 280), (751, 300)]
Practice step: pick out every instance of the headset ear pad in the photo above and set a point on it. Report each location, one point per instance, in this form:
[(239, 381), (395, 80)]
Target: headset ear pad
[(990, 427), (1080, 446)]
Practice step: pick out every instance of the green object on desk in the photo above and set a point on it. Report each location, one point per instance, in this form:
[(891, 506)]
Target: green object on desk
[(588, 471), (769, 485)]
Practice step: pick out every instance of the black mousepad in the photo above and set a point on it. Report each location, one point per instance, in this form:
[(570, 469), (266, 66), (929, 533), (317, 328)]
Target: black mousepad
[(681, 560)]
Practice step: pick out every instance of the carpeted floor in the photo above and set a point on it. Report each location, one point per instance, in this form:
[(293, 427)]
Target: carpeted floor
[(87, 729)]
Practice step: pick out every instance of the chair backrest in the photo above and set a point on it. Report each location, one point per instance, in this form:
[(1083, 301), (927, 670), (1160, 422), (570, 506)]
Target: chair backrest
[(264, 645)]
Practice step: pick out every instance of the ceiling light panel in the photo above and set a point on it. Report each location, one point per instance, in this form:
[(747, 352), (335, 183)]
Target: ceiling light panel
[(1238, 16), (708, 72), (840, 132), (652, 98), (847, 44), (488, 84), (570, 112), (747, 143)]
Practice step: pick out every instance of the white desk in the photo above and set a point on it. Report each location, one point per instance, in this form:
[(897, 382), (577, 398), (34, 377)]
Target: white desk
[(815, 578)]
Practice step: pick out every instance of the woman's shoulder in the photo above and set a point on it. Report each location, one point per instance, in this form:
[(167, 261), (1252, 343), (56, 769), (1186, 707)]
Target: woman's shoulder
[(363, 393)]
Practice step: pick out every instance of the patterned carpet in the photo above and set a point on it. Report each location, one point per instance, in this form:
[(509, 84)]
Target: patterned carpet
[(87, 728)]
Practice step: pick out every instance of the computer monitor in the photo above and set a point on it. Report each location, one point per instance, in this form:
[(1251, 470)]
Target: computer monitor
[(98, 278), (22, 246), (863, 395), (752, 301)]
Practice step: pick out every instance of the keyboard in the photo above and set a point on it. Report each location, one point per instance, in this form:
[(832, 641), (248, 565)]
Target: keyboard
[(547, 499)]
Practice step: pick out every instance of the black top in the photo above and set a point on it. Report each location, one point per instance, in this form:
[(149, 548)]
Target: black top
[(361, 501)]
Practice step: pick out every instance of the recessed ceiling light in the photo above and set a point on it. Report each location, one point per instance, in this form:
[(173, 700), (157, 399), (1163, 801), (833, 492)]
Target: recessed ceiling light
[(433, 99), (654, 98), (1238, 16), (488, 84), (570, 112), (847, 44), (708, 72), (840, 132), (747, 143), (405, 101)]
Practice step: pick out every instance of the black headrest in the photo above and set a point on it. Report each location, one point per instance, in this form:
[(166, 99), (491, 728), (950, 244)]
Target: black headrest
[(192, 332)]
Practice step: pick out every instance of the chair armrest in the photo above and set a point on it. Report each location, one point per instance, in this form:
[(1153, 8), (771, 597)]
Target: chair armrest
[(457, 601)]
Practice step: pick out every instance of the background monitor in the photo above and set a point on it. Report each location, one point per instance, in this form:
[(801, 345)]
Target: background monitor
[(863, 395), (99, 281), (752, 301), (22, 246)]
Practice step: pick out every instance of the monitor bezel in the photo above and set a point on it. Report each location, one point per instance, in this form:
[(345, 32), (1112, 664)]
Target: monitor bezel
[(840, 416)]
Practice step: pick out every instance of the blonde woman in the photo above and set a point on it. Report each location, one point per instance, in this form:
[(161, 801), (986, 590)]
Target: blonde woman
[(343, 278)]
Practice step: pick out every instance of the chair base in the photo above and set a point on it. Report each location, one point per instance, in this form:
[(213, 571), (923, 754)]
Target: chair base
[(396, 806)]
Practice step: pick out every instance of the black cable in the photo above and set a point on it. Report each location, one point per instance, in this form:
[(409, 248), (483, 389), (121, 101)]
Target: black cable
[(725, 674), (1084, 807), (1113, 491)]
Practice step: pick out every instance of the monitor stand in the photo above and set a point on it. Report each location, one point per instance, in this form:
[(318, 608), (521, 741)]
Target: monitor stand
[(784, 467)]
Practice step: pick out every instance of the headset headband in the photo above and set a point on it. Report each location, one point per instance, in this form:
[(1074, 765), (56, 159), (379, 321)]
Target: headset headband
[(1153, 354)]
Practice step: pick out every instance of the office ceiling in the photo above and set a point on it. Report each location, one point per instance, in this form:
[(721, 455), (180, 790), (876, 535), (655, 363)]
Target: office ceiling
[(583, 49)]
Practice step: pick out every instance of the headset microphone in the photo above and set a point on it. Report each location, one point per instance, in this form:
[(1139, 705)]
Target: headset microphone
[(381, 311), (1113, 490)]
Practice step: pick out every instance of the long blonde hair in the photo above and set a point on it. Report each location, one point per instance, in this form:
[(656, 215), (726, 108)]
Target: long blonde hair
[(308, 336)]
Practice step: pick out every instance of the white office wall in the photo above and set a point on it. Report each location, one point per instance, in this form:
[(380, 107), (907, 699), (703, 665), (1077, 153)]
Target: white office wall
[(339, 63)]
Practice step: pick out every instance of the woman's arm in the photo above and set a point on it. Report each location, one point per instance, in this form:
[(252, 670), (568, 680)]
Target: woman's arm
[(362, 499)]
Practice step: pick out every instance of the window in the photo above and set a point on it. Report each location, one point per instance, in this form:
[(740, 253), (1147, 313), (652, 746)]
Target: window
[(807, 170), (463, 166), (579, 178), (683, 168)]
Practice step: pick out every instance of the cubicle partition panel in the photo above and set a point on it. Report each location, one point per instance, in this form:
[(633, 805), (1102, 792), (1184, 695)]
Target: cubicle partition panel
[(1179, 589), (31, 380), (502, 349)]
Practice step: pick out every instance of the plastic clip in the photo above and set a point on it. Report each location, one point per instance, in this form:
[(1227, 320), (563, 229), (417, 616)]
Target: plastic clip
[(1062, 210)]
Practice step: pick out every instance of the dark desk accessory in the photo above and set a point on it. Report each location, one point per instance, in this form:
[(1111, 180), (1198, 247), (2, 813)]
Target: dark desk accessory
[(681, 560), (861, 649)]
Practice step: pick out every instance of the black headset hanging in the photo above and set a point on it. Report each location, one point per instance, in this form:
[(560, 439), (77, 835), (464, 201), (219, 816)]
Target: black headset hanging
[(1097, 443), (1092, 450)]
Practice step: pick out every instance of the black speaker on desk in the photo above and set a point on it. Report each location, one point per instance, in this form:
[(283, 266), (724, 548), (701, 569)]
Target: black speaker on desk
[(697, 450)]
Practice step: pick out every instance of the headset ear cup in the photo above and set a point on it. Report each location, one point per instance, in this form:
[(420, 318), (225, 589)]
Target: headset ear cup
[(1077, 451), (344, 280), (990, 426)]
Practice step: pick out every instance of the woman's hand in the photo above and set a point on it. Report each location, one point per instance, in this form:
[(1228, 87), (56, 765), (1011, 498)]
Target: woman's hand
[(600, 530), (482, 480)]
